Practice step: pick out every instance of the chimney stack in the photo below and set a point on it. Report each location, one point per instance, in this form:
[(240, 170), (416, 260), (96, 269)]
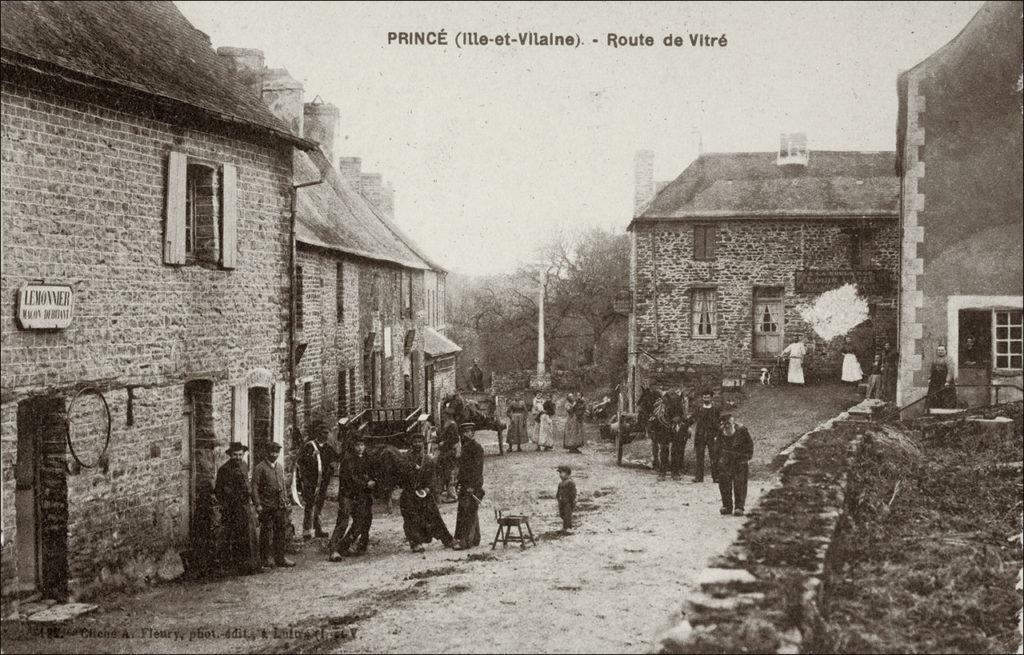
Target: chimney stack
[(643, 178), (248, 63), (387, 200), (350, 169), (320, 124), (371, 187), (283, 96)]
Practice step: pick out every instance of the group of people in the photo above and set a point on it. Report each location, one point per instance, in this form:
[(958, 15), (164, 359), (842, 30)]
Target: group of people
[(542, 414), (726, 442), (881, 372)]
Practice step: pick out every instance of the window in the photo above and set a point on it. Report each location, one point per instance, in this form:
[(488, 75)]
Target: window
[(307, 401), (408, 294), (387, 341), (396, 286), (1008, 340), (299, 304), (703, 313), (340, 291), (342, 393), (351, 387), (375, 290), (201, 214), (861, 247), (704, 242)]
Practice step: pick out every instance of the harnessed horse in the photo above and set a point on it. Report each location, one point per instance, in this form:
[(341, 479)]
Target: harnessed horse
[(659, 415)]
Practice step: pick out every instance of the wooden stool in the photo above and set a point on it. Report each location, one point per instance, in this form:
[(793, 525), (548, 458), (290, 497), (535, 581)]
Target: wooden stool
[(505, 524)]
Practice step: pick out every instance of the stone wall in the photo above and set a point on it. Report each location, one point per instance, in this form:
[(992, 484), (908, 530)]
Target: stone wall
[(83, 204), (749, 254)]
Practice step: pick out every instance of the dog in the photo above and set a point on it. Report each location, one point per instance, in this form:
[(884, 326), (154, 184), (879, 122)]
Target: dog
[(766, 377)]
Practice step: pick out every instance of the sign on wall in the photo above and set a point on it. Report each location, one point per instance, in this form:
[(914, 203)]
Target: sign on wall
[(45, 306)]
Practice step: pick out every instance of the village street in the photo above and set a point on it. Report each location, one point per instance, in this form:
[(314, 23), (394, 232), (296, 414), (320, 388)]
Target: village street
[(624, 571)]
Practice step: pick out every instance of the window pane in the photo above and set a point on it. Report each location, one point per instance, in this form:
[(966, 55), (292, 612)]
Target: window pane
[(1015, 333), (1001, 347), (1015, 347), (1016, 360), (1002, 333)]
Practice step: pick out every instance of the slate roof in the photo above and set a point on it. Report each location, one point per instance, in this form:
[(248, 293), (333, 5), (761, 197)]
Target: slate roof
[(436, 344), (333, 216), (751, 185), (148, 47)]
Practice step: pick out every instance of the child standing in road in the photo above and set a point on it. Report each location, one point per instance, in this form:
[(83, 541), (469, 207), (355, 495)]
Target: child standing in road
[(566, 496)]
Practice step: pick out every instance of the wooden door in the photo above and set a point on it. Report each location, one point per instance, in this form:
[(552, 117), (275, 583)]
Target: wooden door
[(768, 326)]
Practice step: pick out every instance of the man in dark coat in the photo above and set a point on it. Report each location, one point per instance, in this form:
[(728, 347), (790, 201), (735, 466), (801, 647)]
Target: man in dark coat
[(314, 468), (448, 447), (355, 480), (476, 377), (706, 422), (471, 491), (272, 504), (240, 548), (735, 448), (421, 519)]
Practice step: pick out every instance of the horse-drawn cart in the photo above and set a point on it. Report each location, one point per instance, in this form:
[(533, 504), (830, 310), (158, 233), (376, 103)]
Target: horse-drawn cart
[(400, 427), (479, 408)]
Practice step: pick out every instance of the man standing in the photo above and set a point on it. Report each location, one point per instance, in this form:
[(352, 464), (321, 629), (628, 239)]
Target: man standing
[(271, 500), (448, 447), (241, 547), (421, 519), (356, 478), (314, 468), (476, 377), (735, 448), (705, 430), (470, 488)]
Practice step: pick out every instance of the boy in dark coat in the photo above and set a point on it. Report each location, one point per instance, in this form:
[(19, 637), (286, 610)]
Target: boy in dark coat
[(735, 448), (355, 480), (566, 496), (471, 490)]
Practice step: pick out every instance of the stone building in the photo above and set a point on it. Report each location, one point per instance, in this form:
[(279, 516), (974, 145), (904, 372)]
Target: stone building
[(367, 297), (724, 257), (145, 284), (959, 157)]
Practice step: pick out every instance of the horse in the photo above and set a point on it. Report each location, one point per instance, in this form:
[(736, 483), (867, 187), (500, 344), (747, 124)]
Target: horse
[(659, 415), (468, 411)]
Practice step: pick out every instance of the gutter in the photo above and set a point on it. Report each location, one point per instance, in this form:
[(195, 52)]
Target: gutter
[(292, 300)]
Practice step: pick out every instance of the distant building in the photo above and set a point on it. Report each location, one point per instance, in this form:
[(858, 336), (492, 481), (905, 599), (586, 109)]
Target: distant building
[(959, 157), (146, 207), (724, 256)]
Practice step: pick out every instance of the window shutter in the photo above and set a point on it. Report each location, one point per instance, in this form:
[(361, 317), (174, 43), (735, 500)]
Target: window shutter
[(710, 232), (240, 415), (229, 218), (174, 229), (698, 242), (279, 394)]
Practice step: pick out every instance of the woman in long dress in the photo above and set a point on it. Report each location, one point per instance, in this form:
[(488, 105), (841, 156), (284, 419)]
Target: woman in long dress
[(572, 439), (796, 352), (941, 393), (535, 412), (852, 371), (546, 427), (516, 413)]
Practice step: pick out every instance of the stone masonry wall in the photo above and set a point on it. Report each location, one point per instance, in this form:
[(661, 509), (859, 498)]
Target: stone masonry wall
[(749, 253), (84, 189)]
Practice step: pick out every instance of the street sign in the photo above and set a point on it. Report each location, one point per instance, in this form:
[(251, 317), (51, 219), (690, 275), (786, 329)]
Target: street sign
[(45, 306)]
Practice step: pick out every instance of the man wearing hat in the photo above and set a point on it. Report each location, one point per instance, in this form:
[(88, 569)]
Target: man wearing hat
[(314, 468), (240, 547), (448, 452), (271, 497), (735, 448), (471, 490), (355, 482)]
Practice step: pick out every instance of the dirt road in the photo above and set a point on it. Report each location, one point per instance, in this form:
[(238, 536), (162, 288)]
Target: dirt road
[(608, 587)]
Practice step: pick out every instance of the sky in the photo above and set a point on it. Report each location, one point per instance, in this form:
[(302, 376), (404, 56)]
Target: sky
[(490, 149)]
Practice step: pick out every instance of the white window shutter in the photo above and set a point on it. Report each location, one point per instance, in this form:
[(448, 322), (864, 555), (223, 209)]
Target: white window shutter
[(279, 397), (174, 230), (240, 415), (229, 218)]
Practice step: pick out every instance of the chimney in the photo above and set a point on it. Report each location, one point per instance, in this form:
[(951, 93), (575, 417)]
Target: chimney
[(371, 185), (387, 200), (320, 123), (793, 154), (248, 63), (643, 178), (283, 96), (350, 169)]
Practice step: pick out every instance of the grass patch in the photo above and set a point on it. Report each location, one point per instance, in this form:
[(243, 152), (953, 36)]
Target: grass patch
[(431, 573), (481, 557), (923, 562)]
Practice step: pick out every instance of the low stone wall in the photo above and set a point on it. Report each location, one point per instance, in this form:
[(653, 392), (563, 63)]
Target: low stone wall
[(763, 594), (585, 377)]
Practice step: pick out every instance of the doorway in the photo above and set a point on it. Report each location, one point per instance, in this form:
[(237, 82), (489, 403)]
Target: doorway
[(259, 418), (41, 497), (769, 322), (974, 348)]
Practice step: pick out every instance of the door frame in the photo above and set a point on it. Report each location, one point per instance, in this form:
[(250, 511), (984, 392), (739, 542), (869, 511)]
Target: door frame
[(767, 293)]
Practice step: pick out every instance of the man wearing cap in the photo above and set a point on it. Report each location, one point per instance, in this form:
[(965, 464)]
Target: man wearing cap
[(355, 480), (735, 448), (314, 469), (271, 498), (471, 491), (240, 547), (448, 448), (706, 422)]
